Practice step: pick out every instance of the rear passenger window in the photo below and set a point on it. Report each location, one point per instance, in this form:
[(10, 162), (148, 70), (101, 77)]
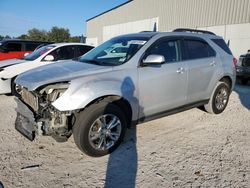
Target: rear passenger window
[(168, 49), (63, 53), (221, 43), (196, 49), (14, 47)]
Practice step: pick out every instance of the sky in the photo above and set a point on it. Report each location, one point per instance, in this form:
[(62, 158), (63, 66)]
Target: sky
[(18, 16)]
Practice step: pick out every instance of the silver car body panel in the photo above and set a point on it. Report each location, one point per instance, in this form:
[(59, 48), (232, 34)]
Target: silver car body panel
[(58, 72), (77, 96), (164, 89), (149, 90)]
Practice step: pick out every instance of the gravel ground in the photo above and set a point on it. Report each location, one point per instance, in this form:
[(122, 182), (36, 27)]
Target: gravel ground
[(188, 149)]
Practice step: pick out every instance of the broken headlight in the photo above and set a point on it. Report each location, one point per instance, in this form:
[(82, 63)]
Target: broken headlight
[(54, 91)]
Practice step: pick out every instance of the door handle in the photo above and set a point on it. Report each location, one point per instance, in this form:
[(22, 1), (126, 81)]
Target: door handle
[(180, 70), (212, 63)]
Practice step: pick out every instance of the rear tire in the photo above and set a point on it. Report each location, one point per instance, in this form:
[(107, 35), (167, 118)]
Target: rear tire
[(219, 99), (95, 134)]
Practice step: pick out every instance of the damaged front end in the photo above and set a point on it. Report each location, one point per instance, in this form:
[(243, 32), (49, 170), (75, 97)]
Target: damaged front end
[(37, 116)]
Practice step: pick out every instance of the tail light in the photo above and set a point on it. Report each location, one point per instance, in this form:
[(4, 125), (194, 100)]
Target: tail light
[(234, 61)]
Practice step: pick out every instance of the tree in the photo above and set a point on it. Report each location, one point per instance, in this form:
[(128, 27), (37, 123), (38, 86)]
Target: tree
[(4, 37), (38, 35), (75, 39), (23, 37), (7, 37), (57, 34)]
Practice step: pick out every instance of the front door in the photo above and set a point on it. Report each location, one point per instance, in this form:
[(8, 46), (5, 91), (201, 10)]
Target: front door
[(162, 87)]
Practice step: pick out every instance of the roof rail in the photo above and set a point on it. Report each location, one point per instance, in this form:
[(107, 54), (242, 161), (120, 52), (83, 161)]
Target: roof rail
[(193, 31)]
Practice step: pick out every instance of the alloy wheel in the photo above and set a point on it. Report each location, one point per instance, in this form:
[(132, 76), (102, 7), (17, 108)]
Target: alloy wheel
[(105, 132)]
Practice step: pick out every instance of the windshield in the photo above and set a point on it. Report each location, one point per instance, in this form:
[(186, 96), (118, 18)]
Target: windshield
[(115, 51), (34, 55)]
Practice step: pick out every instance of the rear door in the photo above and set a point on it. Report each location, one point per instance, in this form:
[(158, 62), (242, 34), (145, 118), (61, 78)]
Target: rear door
[(201, 62), (163, 87)]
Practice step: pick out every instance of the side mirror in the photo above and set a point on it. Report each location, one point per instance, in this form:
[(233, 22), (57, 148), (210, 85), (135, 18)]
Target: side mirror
[(49, 58), (154, 59)]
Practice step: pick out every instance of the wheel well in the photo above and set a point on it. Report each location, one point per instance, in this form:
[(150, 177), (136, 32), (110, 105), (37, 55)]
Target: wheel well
[(12, 80), (13, 90), (227, 80), (119, 101)]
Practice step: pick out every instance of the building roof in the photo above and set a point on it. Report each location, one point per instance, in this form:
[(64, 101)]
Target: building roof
[(109, 10)]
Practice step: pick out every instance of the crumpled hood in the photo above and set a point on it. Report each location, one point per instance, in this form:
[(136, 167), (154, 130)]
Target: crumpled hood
[(9, 62), (57, 72)]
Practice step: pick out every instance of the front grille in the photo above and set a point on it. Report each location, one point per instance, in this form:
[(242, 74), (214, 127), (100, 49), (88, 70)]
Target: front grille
[(30, 99)]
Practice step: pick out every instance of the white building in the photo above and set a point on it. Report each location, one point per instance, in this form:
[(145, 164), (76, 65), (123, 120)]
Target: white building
[(227, 18)]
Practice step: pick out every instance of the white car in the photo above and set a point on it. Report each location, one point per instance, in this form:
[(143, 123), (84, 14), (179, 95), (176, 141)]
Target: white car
[(51, 53), (119, 50)]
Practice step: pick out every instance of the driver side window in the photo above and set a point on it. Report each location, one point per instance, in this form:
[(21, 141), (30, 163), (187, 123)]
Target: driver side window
[(168, 49)]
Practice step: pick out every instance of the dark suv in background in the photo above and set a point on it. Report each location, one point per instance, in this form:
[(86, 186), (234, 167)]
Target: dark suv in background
[(243, 68)]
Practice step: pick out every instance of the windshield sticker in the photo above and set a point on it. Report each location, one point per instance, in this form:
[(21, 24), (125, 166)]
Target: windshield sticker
[(139, 42)]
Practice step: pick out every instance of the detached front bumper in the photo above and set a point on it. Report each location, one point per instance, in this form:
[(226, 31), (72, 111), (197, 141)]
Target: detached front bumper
[(25, 121), (30, 124)]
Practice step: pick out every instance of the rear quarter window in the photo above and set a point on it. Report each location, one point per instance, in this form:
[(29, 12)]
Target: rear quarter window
[(221, 43)]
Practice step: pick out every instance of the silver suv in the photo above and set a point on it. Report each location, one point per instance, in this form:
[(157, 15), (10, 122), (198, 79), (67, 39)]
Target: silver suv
[(98, 96)]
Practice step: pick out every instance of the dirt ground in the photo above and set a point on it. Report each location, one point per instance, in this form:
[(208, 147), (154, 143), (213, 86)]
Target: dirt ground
[(188, 149)]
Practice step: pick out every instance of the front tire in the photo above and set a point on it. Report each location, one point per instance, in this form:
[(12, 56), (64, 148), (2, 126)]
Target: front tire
[(219, 99), (99, 129)]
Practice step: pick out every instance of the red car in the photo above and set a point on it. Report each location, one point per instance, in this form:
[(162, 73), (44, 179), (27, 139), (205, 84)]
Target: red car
[(12, 48)]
